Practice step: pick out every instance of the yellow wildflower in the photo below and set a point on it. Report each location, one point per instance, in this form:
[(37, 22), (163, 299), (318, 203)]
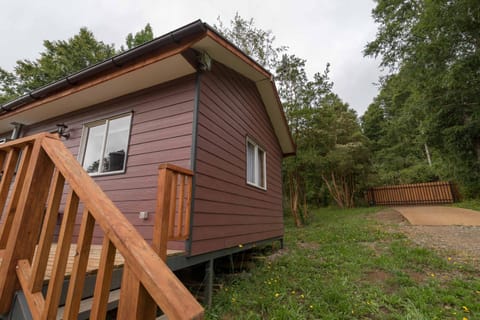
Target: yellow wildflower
[(277, 295), (465, 309)]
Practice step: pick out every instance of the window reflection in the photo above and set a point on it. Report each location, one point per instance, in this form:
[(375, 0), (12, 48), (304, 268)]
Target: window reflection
[(106, 145)]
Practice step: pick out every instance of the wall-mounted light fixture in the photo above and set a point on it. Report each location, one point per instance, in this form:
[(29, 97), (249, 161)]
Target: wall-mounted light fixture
[(62, 130)]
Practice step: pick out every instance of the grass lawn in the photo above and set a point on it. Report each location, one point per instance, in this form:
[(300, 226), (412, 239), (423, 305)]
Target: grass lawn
[(468, 204), (345, 265)]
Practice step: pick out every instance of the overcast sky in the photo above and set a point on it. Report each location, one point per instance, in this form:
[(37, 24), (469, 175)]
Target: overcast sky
[(319, 31)]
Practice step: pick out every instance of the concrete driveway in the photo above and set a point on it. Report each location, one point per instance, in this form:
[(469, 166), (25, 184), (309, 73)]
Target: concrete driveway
[(439, 215)]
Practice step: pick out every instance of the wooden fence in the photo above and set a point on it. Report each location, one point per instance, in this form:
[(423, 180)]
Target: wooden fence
[(409, 194)]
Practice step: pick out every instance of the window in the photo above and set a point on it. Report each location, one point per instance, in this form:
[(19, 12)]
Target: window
[(256, 165), (105, 144)]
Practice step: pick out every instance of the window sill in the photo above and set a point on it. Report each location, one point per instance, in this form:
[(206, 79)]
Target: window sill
[(103, 174), (256, 186)]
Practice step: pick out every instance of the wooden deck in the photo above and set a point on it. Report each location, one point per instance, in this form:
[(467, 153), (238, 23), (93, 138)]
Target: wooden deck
[(93, 259)]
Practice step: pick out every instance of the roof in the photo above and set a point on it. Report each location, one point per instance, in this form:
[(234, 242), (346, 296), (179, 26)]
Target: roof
[(160, 60)]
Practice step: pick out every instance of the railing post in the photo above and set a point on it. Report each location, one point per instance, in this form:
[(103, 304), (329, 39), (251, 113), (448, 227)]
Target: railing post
[(24, 234), (165, 189), (135, 302)]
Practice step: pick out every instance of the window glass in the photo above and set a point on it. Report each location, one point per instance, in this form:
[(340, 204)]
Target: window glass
[(256, 165), (261, 168), (105, 146), (116, 144), (93, 148), (250, 162)]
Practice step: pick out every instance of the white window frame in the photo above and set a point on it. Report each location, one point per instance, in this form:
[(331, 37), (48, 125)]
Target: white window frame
[(256, 164), (84, 141)]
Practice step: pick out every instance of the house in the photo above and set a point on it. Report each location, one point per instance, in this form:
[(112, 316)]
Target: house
[(189, 98)]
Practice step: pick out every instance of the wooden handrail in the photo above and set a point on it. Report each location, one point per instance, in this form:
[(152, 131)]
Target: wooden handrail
[(32, 208)]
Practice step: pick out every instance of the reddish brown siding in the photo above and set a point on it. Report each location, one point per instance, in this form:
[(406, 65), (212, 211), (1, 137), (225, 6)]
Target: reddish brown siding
[(228, 212), (161, 132)]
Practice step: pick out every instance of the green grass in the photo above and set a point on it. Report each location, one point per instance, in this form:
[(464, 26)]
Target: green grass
[(473, 204), (345, 266)]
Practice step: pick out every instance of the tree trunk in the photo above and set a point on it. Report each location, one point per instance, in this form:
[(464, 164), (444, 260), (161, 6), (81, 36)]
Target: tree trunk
[(429, 160), (331, 186), (294, 196), (341, 189)]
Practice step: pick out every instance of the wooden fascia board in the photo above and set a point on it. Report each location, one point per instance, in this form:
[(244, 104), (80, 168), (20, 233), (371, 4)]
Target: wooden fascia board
[(238, 53), (273, 106), (285, 122), (288, 147), (103, 78)]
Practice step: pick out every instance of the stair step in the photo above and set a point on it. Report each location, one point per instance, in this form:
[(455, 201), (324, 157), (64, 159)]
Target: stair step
[(86, 305)]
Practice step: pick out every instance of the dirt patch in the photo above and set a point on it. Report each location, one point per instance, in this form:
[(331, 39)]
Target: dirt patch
[(309, 245), (377, 276), (416, 276), (277, 254), (459, 243), (391, 216)]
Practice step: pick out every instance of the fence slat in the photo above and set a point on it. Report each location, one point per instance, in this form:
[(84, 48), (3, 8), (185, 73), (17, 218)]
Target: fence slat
[(77, 279), (49, 223), (104, 278), (439, 192), (61, 256), (12, 205)]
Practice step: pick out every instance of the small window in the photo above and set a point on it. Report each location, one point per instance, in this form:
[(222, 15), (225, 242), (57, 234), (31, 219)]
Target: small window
[(105, 144), (256, 165)]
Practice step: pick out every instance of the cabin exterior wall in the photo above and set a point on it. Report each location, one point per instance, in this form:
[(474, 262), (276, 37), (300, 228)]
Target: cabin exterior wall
[(228, 211), (161, 131)]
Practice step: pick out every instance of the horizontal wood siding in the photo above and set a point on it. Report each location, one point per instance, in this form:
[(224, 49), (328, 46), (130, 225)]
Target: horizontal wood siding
[(161, 132), (228, 212)]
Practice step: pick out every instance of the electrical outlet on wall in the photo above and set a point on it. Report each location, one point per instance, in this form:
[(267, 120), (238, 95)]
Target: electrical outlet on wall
[(143, 215)]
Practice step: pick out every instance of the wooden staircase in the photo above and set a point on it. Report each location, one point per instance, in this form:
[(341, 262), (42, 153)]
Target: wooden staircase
[(38, 172)]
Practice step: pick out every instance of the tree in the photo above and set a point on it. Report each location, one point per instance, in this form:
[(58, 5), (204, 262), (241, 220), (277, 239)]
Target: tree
[(344, 156), (61, 58), (142, 36), (305, 102), (255, 42), (434, 48), (292, 83), (8, 86)]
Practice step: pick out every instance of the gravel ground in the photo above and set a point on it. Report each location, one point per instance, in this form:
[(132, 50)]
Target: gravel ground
[(459, 242)]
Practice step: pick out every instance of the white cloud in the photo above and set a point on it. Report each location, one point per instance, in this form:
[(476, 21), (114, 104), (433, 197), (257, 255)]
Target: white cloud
[(319, 31)]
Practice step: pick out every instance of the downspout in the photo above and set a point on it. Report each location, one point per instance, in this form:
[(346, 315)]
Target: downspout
[(17, 130), (193, 159)]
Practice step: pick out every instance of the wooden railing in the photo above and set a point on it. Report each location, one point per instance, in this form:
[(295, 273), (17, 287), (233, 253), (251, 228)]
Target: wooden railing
[(37, 171), (172, 222), (410, 194)]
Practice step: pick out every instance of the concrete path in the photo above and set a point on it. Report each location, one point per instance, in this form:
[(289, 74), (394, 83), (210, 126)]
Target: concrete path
[(439, 216)]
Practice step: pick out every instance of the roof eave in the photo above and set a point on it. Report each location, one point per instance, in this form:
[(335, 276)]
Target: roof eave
[(192, 35)]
